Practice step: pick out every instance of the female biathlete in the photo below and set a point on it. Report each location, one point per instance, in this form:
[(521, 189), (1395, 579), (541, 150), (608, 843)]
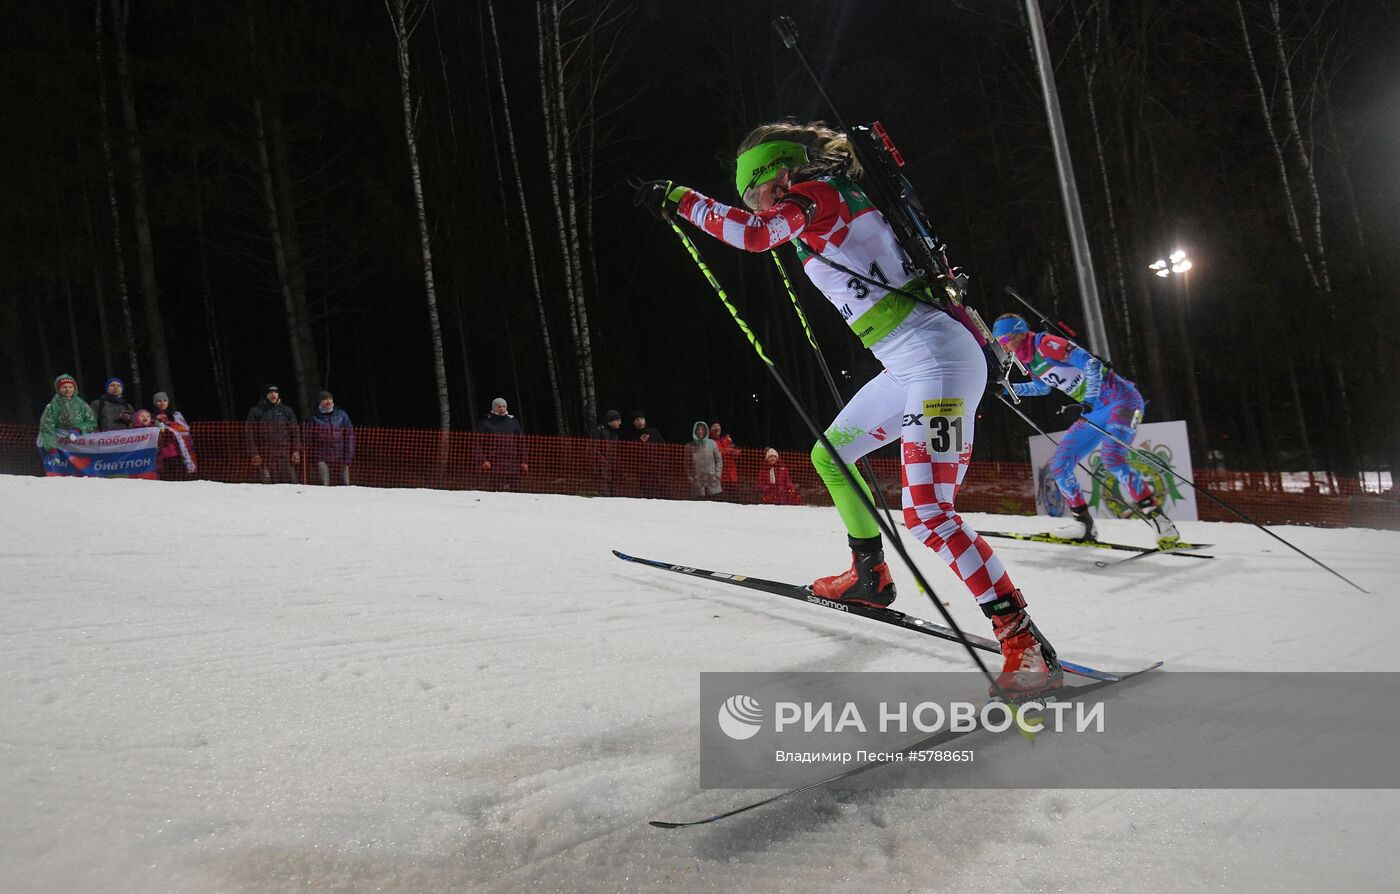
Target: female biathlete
[(799, 182), (1111, 404)]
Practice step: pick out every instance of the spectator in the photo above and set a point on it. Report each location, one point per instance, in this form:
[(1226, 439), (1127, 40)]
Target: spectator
[(774, 484), (111, 410), (143, 419), (500, 451), (273, 438), (730, 454), (607, 434), (705, 463), (646, 460), (610, 429), (332, 440), (66, 416), (175, 456), (643, 432)]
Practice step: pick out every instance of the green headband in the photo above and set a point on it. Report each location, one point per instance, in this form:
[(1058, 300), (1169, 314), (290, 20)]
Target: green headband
[(762, 163)]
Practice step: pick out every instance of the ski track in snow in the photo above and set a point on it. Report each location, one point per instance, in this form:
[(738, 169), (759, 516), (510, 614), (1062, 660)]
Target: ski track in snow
[(221, 688)]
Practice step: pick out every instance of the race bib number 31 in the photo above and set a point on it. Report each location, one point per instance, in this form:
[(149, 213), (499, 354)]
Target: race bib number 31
[(944, 418)]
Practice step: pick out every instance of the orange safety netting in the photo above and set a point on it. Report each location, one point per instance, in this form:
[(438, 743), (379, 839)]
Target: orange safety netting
[(587, 467)]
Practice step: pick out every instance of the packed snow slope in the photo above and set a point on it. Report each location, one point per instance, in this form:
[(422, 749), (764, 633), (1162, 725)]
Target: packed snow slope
[(220, 688)]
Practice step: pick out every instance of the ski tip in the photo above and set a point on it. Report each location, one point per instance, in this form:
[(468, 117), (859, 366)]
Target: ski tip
[(623, 556), (662, 824)]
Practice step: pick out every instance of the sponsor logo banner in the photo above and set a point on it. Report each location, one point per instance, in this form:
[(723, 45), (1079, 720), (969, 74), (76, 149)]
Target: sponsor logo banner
[(1159, 446)]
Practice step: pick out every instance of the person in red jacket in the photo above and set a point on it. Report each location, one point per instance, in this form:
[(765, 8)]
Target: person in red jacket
[(729, 478), (774, 483)]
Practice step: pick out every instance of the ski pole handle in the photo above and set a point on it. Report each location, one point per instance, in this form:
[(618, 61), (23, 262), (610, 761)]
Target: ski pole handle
[(787, 31)]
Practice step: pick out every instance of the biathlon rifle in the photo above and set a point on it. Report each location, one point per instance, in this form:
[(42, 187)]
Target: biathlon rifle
[(895, 196)]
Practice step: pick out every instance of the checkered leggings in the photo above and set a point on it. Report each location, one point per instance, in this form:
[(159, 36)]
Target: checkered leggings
[(934, 377)]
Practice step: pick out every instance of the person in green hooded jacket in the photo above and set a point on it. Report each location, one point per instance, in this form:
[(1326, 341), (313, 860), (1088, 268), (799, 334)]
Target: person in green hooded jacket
[(67, 413)]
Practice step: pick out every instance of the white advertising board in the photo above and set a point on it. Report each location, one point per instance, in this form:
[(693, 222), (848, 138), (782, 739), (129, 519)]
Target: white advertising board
[(1157, 444)]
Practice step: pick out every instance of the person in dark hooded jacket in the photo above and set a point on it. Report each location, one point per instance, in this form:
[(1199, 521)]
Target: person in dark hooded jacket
[(645, 458), (273, 438), (500, 447), (112, 410), (332, 440), (607, 435)]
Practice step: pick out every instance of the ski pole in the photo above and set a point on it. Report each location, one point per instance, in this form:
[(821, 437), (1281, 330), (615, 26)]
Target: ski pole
[(1043, 433), (826, 373), (812, 426), (1061, 328), (1206, 492)]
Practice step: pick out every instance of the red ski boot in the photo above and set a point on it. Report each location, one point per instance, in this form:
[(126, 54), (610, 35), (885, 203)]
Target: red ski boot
[(1029, 666), (868, 580)]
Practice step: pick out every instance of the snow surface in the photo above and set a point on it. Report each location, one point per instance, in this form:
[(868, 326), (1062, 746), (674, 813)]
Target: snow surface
[(222, 688)]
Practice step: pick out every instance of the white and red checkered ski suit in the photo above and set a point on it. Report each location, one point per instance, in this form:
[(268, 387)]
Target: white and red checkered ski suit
[(934, 375)]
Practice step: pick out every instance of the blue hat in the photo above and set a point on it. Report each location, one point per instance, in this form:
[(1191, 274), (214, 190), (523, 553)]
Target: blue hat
[(1009, 325), (117, 380)]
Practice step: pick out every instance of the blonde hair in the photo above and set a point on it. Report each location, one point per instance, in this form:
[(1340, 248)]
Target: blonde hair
[(829, 151)]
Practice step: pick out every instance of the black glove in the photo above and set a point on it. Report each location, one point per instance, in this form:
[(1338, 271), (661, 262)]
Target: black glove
[(660, 197), (1083, 409)]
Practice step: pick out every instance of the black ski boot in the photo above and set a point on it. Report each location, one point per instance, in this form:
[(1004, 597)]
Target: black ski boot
[(1080, 528)]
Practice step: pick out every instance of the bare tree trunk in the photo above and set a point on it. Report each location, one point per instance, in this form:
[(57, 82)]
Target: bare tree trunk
[(455, 263), (211, 317), (1302, 417), (400, 16), (1289, 207), (1313, 253), (145, 253), (286, 256), (295, 323), (133, 365), (1193, 394), (1151, 332), (1341, 403), (309, 383), (550, 364), (1344, 170), (76, 341), (1124, 309), (551, 150), (65, 280), (590, 168), (590, 394), (98, 293), (1304, 159), (556, 145)]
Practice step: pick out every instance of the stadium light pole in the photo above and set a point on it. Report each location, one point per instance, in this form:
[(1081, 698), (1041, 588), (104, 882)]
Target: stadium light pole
[(1177, 268), (1069, 192)]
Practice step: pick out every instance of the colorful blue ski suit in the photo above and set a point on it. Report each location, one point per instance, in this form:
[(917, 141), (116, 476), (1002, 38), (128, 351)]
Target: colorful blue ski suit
[(1059, 363)]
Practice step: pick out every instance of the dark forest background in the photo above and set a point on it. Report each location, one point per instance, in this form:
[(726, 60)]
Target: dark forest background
[(203, 198)]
